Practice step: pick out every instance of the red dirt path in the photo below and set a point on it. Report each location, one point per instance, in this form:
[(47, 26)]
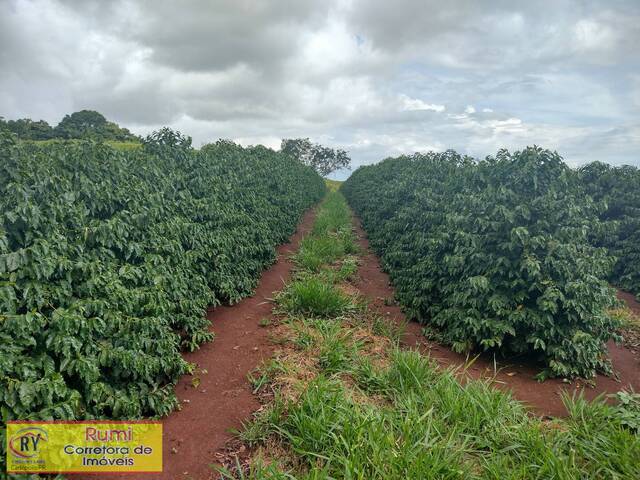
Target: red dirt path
[(224, 397), (543, 398), (630, 300)]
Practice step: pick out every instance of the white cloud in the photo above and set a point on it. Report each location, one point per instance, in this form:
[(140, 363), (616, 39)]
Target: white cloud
[(589, 34), (270, 142), (510, 125), (413, 104), (378, 78)]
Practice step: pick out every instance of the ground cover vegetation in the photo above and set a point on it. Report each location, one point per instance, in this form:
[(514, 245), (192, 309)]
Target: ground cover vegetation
[(493, 254), (344, 400), (109, 260)]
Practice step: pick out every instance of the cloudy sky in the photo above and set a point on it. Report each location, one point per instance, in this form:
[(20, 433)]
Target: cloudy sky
[(377, 78)]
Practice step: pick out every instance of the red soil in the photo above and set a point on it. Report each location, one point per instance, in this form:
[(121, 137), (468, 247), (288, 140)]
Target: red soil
[(223, 399), (630, 300), (543, 398)]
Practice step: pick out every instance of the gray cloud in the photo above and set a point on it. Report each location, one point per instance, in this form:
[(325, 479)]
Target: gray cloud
[(204, 35), (379, 78)]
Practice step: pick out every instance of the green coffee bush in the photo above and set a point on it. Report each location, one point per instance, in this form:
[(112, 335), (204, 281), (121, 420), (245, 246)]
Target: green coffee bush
[(109, 260), (494, 254)]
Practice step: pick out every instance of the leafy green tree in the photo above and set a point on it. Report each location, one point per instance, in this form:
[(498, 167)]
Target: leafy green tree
[(82, 124), (323, 160), (40, 130), (86, 124), (89, 124), (166, 140), (27, 129), (111, 131)]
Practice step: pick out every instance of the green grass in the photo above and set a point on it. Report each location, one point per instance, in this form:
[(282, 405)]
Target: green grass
[(315, 297), (374, 411), (331, 237), (338, 349), (122, 146), (316, 251), (348, 269), (385, 328), (264, 322), (303, 333), (332, 185), (424, 424), (334, 215)]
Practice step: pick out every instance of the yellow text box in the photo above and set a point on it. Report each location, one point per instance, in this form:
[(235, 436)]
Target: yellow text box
[(84, 446)]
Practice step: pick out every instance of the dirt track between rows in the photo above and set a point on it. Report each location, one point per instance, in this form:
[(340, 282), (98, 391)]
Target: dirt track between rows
[(542, 398), (224, 398)]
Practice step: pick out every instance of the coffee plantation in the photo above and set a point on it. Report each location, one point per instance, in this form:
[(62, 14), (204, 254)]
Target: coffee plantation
[(617, 189), (109, 260), (493, 255)]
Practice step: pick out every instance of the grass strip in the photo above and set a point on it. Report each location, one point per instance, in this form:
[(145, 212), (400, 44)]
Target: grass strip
[(349, 403)]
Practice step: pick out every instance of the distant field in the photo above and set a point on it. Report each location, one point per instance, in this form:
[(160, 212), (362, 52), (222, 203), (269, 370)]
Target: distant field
[(122, 146), (332, 185)]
